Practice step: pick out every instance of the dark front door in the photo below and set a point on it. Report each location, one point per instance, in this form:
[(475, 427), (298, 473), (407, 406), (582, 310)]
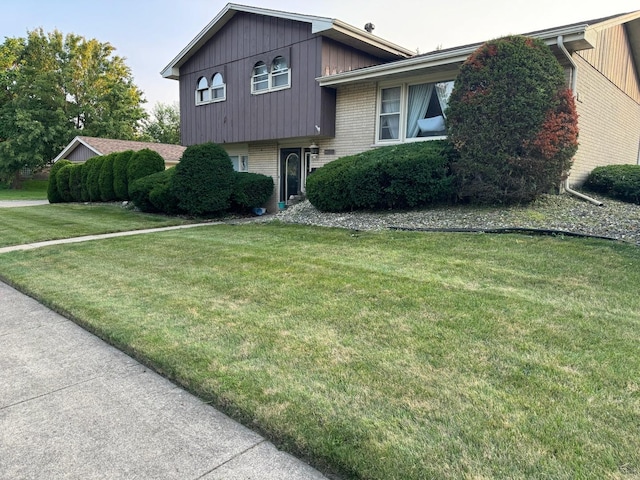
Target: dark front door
[(290, 172)]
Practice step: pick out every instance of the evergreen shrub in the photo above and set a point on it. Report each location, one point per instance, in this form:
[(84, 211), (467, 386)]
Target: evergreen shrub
[(153, 193), (105, 178), (616, 181), (120, 165), (62, 182), (512, 121), (142, 163), (251, 190), (93, 166), (399, 176), (53, 194), (204, 178), (75, 182)]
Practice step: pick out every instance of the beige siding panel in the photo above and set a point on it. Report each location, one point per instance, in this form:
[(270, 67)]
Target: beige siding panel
[(609, 122), (612, 57), (355, 122), (264, 159)]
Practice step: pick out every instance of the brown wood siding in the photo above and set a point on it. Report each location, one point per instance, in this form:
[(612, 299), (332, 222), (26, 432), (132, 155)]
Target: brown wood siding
[(612, 57), (243, 117), (338, 58)]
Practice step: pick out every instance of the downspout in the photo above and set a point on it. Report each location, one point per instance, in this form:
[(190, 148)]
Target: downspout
[(574, 86)]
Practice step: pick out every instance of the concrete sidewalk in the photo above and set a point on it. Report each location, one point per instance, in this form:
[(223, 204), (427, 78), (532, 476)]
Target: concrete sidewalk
[(22, 203), (72, 406)]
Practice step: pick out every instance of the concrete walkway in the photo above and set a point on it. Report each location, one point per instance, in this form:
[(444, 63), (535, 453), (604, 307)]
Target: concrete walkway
[(73, 407), (22, 203)]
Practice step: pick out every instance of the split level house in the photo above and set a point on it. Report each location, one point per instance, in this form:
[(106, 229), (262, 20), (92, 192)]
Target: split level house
[(286, 93)]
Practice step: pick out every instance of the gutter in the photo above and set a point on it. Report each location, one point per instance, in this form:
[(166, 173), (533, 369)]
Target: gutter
[(574, 86)]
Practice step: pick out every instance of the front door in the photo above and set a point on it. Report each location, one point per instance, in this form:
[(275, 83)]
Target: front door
[(290, 173)]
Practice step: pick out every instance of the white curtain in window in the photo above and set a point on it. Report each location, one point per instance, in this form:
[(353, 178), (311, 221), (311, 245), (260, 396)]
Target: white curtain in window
[(419, 97), (443, 90)]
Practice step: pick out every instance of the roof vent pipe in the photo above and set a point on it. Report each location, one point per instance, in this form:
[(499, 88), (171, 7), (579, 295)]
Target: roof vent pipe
[(369, 27)]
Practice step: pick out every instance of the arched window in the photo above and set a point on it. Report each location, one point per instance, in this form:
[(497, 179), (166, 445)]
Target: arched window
[(259, 78), (218, 88), (279, 73), (203, 94)]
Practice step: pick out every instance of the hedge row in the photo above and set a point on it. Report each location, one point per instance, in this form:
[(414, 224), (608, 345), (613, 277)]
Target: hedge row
[(616, 181), (400, 176), (101, 179), (202, 183)]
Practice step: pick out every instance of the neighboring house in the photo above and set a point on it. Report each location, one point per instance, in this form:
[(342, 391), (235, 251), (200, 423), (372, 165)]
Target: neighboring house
[(285, 93), (81, 149)]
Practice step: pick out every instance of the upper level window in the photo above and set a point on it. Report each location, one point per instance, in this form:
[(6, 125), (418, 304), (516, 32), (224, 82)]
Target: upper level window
[(260, 78), (413, 111), (276, 77), (218, 88), (203, 94), (279, 73)]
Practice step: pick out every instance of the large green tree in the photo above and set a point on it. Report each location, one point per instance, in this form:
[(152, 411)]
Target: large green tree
[(164, 124), (54, 87)]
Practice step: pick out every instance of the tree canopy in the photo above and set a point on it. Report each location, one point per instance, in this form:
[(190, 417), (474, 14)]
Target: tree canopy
[(54, 87), (164, 125)]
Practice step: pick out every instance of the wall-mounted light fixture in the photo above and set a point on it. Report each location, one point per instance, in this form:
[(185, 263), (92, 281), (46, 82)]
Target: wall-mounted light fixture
[(314, 150)]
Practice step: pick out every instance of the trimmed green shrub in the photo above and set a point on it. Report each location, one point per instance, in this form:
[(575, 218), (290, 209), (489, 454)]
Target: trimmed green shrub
[(512, 121), (75, 182), (251, 190), (398, 176), (93, 167), (53, 194), (617, 181), (142, 163), (153, 193), (84, 185), (62, 182), (105, 179), (120, 165), (203, 182)]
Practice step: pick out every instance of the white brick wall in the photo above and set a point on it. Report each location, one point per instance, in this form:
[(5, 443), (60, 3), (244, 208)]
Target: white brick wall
[(263, 158), (609, 122)]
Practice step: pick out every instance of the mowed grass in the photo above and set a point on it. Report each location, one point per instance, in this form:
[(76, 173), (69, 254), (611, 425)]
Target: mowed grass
[(386, 355), (29, 190), (51, 222)]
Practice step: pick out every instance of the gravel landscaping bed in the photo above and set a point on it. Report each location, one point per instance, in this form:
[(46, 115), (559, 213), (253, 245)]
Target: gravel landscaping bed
[(551, 213)]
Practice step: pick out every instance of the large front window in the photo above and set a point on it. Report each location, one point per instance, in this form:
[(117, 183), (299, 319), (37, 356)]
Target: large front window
[(413, 111)]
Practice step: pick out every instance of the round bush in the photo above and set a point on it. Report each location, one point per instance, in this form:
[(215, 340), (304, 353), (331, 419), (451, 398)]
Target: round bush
[(616, 181), (142, 163), (63, 183), (251, 190), (105, 179), (93, 167), (203, 182), (399, 176), (53, 194), (512, 121), (120, 165), (153, 193), (75, 182)]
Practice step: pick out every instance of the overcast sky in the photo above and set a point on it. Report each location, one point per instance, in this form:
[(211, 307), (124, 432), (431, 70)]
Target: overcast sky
[(150, 33)]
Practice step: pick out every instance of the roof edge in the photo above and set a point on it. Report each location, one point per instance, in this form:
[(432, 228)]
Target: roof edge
[(73, 145)]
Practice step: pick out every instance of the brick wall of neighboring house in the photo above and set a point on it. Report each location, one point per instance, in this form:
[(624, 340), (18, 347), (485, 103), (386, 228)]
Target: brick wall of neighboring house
[(264, 159), (355, 122), (609, 122)]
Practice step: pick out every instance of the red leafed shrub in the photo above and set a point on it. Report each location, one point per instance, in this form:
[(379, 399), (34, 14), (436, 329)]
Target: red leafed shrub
[(512, 121)]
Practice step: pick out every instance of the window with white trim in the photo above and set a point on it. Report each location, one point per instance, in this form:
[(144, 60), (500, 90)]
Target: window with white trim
[(203, 94), (240, 162), (218, 88), (410, 112), (268, 79), (260, 78)]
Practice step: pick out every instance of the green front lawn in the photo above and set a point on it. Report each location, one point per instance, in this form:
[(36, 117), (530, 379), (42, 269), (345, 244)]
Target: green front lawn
[(384, 355), (51, 222), (29, 190)]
